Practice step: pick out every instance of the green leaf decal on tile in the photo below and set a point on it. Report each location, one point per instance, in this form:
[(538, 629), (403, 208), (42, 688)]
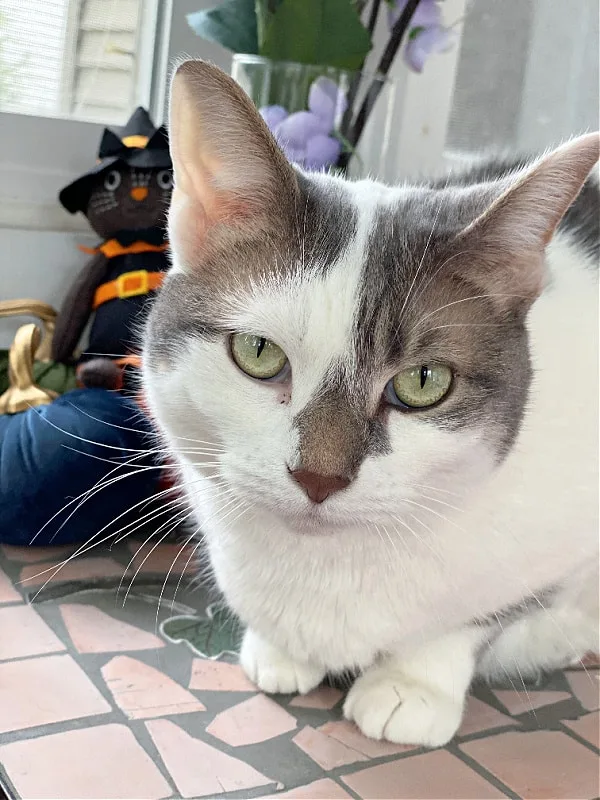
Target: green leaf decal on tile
[(217, 634)]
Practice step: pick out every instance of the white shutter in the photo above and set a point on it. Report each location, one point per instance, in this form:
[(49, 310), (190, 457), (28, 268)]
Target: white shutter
[(103, 80), (73, 58), (32, 52)]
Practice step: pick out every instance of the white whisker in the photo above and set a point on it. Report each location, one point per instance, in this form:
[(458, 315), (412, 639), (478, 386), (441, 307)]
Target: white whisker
[(465, 300), (421, 262)]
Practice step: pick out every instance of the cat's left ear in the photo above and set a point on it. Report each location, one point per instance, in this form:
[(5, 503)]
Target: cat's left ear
[(518, 225)]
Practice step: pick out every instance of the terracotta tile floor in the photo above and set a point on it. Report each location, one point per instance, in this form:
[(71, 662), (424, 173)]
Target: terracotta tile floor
[(113, 695)]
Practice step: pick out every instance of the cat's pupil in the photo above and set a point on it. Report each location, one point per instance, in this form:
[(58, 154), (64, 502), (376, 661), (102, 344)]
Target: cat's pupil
[(424, 376), (261, 346)]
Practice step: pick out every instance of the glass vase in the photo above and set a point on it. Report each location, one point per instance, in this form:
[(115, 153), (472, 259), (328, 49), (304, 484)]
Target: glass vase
[(322, 117)]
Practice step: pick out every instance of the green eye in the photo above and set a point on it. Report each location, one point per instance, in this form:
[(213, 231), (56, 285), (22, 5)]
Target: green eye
[(420, 387), (256, 356)]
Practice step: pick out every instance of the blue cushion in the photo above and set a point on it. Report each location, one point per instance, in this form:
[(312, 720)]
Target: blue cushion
[(52, 454)]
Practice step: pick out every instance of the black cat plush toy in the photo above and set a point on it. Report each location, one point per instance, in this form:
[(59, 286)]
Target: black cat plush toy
[(125, 198), (55, 483)]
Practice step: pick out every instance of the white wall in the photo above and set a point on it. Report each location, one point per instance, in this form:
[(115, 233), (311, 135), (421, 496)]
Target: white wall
[(527, 74), (39, 265), (560, 90), (38, 238)]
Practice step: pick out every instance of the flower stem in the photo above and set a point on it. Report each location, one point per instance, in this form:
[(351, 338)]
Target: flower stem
[(262, 12), (373, 16), (396, 37), (398, 32), (355, 84)]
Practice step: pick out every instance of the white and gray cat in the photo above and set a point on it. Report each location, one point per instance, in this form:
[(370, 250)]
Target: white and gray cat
[(383, 407)]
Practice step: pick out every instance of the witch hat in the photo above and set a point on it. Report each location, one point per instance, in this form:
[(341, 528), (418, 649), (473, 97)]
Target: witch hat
[(137, 144)]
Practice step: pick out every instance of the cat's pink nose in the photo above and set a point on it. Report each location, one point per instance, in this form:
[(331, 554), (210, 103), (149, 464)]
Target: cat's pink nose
[(318, 487)]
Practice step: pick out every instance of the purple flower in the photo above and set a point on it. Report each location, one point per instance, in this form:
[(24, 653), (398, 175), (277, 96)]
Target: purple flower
[(299, 127), (427, 35), (321, 151), (327, 101), (424, 42), (273, 115), (305, 136), (426, 14)]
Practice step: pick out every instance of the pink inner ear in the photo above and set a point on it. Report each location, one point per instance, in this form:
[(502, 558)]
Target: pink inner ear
[(230, 208), (202, 182), (225, 207), (192, 223), (225, 158)]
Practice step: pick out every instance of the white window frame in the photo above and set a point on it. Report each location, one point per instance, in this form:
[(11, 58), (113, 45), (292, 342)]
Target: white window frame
[(40, 154)]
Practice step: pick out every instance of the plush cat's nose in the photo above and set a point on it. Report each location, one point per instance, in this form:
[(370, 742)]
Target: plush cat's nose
[(318, 487), (139, 193)]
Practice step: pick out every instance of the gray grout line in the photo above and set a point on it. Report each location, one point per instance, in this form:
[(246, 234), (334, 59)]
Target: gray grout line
[(347, 789), (7, 790), (578, 738), (470, 762)]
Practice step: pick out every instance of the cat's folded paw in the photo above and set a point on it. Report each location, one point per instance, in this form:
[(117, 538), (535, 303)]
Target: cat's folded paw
[(273, 671), (387, 705)]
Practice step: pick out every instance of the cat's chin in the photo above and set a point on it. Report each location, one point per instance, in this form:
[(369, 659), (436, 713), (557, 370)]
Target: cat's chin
[(313, 520), (313, 525)]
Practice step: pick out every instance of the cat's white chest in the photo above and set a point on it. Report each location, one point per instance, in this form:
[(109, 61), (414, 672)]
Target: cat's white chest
[(331, 625), (337, 612)]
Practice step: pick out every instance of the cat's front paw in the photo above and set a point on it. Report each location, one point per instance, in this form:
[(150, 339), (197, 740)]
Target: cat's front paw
[(387, 705), (273, 671)]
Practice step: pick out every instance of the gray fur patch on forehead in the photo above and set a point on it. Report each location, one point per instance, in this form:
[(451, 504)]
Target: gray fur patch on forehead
[(326, 220), (417, 307), (445, 209)]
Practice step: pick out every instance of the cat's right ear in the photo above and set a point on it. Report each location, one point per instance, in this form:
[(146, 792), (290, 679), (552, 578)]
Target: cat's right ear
[(227, 164), (511, 235)]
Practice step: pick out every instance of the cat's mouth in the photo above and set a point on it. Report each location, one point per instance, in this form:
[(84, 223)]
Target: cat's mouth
[(296, 510), (315, 519)]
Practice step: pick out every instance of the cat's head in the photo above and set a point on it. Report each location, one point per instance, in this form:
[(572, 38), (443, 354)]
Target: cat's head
[(128, 198), (341, 352)]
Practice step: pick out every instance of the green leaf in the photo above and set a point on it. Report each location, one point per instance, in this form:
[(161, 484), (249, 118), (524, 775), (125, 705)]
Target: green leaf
[(414, 32), (317, 32), (264, 11), (231, 24), (212, 636)]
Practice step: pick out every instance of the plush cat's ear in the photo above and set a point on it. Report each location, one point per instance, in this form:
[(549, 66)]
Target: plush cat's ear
[(225, 160), (513, 231)]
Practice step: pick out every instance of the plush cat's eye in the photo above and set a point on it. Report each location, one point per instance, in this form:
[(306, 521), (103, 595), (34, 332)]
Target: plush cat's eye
[(258, 357), (420, 387), (112, 180), (164, 179)]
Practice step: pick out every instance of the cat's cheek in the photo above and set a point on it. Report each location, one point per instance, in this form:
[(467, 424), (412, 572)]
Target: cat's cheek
[(284, 395), (159, 365)]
